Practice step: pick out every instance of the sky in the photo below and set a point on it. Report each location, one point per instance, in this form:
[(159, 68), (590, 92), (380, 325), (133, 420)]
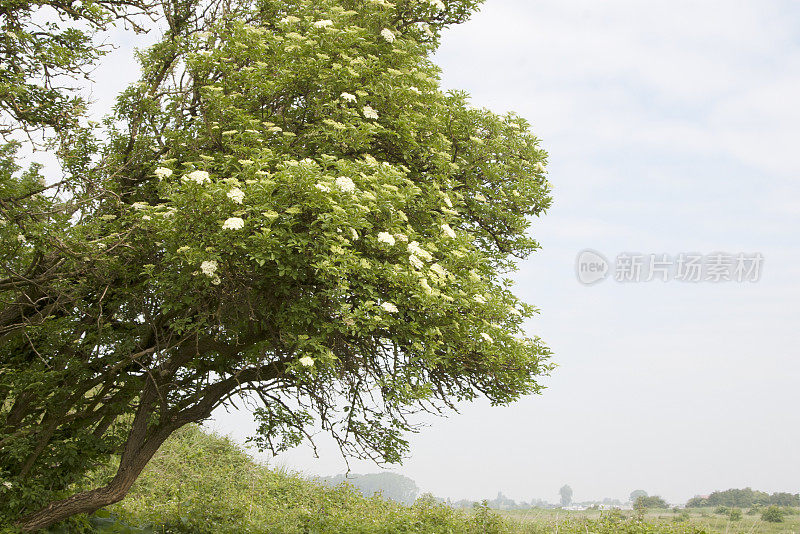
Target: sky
[(672, 127)]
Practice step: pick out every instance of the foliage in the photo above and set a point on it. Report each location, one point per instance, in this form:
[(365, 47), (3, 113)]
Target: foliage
[(735, 514), (744, 498), (645, 502), (635, 494), (390, 486), (773, 514), (286, 207)]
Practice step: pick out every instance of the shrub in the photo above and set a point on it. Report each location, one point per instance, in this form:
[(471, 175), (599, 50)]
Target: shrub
[(773, 514)]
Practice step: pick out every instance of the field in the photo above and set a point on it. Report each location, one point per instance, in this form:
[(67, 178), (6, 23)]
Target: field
[(200, 483), (702, 518)]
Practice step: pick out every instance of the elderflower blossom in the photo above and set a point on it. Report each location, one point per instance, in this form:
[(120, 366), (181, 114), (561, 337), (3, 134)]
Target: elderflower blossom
[(347, 97), (323, 23), (236, 194), (345, 184), (386, 237), (163, 172), (480, 198), (209, 268), (416, 262), (439, 270), (388, 307), (387, 34), (325, 188), (233, 223), (198, 177), (370, 113), (307, 361), (487, 337), (438, 4), (290, 19), (449, 232), (416, 250)]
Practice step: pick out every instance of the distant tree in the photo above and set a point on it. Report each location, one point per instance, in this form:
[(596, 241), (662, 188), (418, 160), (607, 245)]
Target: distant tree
[(635, 494), (744, 498), (735, 514), (566, 495), (391, 486), (643, 502)]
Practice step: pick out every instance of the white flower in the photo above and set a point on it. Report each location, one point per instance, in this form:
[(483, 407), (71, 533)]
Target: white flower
[(199, 177), (487, 337), (424, 283), (22, 239), (140, 205), (307, 361), (439, 270), (438, 4), (479, 299), (345, 184), (233, 223), (386, 237), (416, 262), (323, 23), (449, 232), (289, 19), (387, 34), (389, 307), (7, 484), (415, 249), (325, 188), (480, 198), (236, 194), (146, 217), (209, 267), (370, 113), (448, 202), (163, 172), (354, 234), (401, 237), (539, 167), (347, 97), (415, 90)]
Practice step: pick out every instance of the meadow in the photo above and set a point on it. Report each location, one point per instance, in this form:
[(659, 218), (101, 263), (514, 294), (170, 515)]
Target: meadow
[(200, 483)]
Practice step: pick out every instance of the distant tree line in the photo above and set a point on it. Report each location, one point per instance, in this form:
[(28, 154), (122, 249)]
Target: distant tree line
[(743, 498), (391, 486)]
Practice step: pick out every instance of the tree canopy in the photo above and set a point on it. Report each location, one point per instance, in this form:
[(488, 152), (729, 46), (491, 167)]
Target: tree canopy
[(286, 207)]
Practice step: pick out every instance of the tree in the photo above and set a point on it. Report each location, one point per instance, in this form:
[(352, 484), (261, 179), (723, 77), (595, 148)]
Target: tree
[(566, 495), (286, 208), (635, 494), (644, 502)]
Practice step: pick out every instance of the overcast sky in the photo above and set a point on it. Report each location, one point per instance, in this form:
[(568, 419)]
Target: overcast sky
[(672, 127)]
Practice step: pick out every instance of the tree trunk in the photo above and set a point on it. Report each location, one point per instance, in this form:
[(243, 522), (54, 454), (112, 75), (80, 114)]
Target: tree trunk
[(88, 502)]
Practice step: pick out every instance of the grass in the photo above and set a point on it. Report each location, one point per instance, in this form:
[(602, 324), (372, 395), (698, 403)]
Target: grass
[(701, 518), (201, 483)]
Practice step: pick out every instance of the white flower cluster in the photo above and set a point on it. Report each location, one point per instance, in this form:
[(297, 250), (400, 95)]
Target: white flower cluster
[(323, 23), (198, 177), (163, 172), (438, 4), (487, 337), (417, 250), (345, 184), (236, 194), (370, 113), (388, 307), (233, 223), (449, 232), (387, 34), (347, 97), (209, 268), (386, 237), (307, 361)]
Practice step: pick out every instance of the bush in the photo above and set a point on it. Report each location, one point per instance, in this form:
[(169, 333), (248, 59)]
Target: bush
[(773, 514), (722, 510), (735, 514)]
